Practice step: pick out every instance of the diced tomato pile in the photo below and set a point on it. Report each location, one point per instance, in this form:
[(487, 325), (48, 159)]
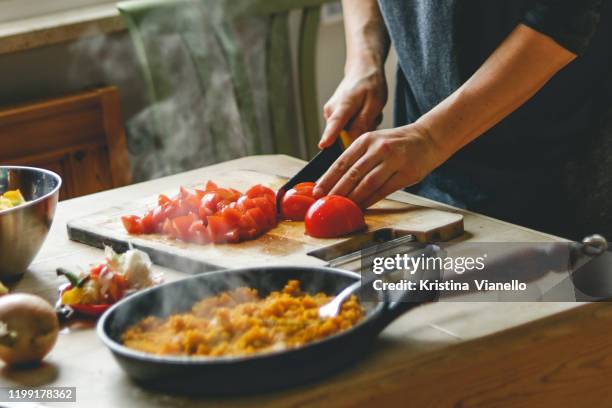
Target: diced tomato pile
[(212, 214)]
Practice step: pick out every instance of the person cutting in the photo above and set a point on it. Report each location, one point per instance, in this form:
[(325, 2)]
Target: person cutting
[(496, 102)]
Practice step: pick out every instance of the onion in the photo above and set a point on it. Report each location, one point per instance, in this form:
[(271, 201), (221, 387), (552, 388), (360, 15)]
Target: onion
[(28, 328)]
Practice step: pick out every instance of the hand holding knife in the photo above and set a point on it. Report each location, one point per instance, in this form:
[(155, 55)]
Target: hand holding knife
[(315, 168)]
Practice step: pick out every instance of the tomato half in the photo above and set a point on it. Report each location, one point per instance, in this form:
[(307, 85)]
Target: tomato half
[(333, 216), (297, 201)]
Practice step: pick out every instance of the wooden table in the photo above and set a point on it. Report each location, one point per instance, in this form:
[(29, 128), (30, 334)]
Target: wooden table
[(442, 354)]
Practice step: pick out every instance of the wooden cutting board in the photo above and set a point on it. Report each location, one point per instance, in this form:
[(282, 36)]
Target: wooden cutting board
[(285, 244)]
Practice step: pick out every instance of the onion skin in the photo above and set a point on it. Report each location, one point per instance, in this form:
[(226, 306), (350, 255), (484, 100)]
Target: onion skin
[(32, 329)]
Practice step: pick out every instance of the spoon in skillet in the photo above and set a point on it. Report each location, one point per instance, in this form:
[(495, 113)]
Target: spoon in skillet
[(332, 308)]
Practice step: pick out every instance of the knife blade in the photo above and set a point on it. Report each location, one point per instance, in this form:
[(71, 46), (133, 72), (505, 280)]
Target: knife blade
[(316, 167)]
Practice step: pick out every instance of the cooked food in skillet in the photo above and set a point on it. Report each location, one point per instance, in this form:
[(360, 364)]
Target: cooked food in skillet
[(239, 322), (11, 199)]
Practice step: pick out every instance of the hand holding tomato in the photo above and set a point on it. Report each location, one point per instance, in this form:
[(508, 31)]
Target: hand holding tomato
[(380, 163)]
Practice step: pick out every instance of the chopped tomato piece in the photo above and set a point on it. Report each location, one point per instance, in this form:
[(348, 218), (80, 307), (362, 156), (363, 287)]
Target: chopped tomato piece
[(268, 209), (245, 203), (246, 234), (247, 222), (217, 227), (259, 191), (210, 201), (182, 224), (259, 217), (211, 186), (163, 199), (305, 188), (209, 214), (232, 235), (132, 224), (148, 223), (231, 216)]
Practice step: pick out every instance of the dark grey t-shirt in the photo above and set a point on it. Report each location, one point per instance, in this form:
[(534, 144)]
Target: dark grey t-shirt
[(512, 171)]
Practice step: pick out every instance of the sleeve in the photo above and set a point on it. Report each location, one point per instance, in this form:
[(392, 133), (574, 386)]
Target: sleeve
[(570, 23)]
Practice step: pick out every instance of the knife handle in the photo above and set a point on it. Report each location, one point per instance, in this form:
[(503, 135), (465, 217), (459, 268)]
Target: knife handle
[(345, 139)]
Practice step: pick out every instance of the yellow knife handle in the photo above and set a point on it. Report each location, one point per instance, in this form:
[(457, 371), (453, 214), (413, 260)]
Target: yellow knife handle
[(345, 139)]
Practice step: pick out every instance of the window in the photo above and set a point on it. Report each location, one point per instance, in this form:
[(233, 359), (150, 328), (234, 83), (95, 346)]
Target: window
[(16, 9)]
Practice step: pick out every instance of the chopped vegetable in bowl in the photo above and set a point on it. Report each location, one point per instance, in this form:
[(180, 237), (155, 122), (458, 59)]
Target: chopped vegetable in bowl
[(11, 199)]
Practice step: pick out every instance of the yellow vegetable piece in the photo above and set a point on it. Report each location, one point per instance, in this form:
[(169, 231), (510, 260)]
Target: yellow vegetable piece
[(14, 196), (5, 204), (73, 296), (11, 199)]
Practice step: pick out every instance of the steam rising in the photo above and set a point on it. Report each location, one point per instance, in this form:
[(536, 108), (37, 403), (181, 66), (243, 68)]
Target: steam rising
[(196, 118)]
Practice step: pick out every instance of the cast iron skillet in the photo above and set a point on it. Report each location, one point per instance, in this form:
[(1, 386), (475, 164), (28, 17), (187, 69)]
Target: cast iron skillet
[(240, 375)]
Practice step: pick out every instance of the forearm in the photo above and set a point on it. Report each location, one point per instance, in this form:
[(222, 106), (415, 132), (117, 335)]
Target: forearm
[(520, 66), (367, 40)]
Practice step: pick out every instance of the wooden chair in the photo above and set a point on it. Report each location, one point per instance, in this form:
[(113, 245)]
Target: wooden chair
[(184, 20), (80, 137)]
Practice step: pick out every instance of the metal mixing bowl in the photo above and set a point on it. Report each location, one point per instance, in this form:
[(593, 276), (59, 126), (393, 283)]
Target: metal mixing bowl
[(24, 228)]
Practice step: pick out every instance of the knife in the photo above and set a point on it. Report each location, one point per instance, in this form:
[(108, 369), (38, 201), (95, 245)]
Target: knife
[(316, 167)]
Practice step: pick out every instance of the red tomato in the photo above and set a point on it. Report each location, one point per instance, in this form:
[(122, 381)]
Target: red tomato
[(259, 191), (247, 222), (182, 224), (259, 217), (163, 199), (217, 227), (244, 203), (210, 186), (232, 235), (295, 206), (158, 214), (132, 224), (333, 216), (210, 201), (231, 216), (268, 209), (210, 214), (97, 270), (204, 212), (297, 201), (305, 188), (198, 232), (246, 234), (183, 192), (148, 223)]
